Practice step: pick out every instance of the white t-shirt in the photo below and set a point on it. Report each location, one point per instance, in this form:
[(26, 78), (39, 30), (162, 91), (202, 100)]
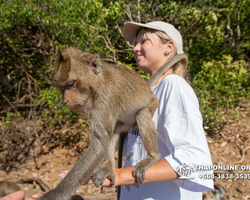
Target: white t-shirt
[(181, 141)]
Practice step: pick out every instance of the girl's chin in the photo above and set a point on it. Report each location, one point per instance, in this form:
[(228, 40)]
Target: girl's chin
[(144, 68)]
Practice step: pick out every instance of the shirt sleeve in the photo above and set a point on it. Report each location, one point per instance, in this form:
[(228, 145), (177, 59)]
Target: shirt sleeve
[(188, 146)]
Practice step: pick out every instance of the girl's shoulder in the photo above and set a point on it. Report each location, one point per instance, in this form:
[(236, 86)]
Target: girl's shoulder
[(175, 79), (174, 82), (174, 90)]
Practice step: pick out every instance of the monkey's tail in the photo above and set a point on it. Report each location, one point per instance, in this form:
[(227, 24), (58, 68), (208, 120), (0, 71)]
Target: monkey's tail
[(177, 58)]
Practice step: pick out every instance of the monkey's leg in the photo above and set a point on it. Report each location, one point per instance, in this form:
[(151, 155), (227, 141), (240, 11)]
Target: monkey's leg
[(148, 135), (84, 168), (107, 168)]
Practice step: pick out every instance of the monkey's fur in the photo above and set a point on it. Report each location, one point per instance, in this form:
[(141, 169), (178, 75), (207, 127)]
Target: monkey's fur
[(7, 187), (116, 99)]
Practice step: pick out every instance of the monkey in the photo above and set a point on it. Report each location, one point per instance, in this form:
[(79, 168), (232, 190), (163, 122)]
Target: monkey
[(7, 187), (116, 99)]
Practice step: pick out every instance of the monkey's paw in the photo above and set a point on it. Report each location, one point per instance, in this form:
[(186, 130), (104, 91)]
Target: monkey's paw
[(142, 166), (102, 174), (139, 173)]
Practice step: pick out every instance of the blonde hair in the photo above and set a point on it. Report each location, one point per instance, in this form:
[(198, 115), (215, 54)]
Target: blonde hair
[(179, 68)]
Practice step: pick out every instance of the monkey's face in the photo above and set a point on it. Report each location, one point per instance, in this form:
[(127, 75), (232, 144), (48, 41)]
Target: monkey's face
[(75, 78), (76, 94), (70, 94)]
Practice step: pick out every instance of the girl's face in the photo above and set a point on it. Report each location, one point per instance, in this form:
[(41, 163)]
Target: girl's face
[(150, 54)]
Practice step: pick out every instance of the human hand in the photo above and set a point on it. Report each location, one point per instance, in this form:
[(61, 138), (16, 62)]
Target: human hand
[(19, 195)]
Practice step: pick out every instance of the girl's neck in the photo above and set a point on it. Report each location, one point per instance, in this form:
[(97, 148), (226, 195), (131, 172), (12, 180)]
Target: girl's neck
[(169, 71)]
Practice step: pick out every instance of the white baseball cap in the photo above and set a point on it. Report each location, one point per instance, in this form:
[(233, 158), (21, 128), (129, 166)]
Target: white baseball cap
[(130, 29)]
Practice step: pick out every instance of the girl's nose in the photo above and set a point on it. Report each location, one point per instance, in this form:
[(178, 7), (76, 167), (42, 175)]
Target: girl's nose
[(137, 47)]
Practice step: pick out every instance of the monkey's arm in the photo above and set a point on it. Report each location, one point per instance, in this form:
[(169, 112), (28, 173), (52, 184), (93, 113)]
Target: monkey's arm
[(160, 171), (85, 166)]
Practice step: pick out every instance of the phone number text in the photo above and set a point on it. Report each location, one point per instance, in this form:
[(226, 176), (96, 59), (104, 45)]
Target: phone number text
[(224, 176)]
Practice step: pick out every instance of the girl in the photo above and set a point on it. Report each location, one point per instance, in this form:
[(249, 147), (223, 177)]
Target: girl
[(181, 139)]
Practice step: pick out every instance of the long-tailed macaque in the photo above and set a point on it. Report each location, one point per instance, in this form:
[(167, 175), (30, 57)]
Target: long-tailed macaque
[(116, 99)]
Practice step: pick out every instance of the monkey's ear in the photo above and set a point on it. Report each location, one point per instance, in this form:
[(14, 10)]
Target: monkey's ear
[(63, 66), (95, 64), (64, 57)]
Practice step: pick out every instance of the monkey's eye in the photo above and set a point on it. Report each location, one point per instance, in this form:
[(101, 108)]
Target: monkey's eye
[(71, 84)]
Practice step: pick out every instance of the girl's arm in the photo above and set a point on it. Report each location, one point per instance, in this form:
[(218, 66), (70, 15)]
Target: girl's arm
[(160, 171)]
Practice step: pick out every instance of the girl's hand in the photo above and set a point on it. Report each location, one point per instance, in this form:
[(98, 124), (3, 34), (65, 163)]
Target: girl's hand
[(19, 195)]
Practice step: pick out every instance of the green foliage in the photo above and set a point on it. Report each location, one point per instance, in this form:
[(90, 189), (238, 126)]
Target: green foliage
[(8, 118), (210, 28), (220, 86), (32, 32)]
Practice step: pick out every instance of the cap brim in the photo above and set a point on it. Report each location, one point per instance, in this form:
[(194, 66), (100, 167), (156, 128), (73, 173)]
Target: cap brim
[(130, 29)]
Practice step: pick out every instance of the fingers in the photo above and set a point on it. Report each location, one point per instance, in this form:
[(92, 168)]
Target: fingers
[(19, 195)]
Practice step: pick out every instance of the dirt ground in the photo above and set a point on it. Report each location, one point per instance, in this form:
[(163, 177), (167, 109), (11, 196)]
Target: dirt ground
[(231, 148)]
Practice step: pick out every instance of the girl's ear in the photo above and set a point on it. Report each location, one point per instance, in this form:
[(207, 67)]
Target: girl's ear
[(169, 47)]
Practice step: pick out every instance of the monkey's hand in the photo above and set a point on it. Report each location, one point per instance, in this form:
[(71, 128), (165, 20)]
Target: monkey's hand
[(142, 166), (102, 174)]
